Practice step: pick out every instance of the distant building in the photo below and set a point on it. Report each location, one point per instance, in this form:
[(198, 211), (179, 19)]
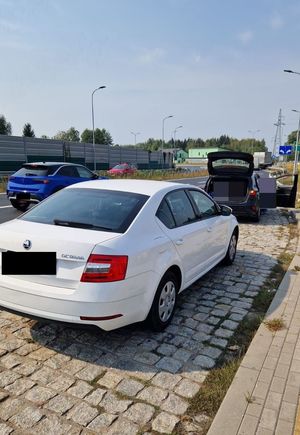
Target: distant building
[(201, 153)]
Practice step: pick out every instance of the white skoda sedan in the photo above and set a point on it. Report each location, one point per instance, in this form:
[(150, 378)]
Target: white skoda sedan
[(112, 253)]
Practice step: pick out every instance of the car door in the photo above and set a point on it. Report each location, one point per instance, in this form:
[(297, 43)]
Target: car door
[(217, 226), (187, 232), (68, 175), (286, 190)]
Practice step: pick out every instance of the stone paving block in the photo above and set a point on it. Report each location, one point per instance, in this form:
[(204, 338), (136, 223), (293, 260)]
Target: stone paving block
[(5, 429), (113, 405), (57, 361), (11, 344), (53, 425), (212, 352), (8, 377), (223, 333), (129, 387), (220, 342), (169, 364), (266, 375), (26, 418), (291, 394), (9, 407), (20, 386), (182, 354), (61, 404), (89, 373), (282, 371), (153, 395), (82, 414), (73, 366), (44, 375), (204, 362), (110, 380), (284, 427), (140, 413), (187, 388), (174, 405), (229, 324), (62, 383), (95, 397), (165, 423), (80, 389), (10, 360), (102, 422), (268, 419), (278, 385), (27, 367), (123, 426), (39, 395), (166, 349), (255, 408), (166, 380), (146, 357)]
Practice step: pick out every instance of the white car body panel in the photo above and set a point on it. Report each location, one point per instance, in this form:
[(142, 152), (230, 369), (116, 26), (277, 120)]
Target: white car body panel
[(150, 246)]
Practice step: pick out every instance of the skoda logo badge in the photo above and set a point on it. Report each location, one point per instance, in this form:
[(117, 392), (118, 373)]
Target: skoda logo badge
[(27, 244)]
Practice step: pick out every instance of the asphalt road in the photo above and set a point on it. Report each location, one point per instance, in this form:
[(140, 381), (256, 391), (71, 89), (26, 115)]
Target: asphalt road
[(7, 212)]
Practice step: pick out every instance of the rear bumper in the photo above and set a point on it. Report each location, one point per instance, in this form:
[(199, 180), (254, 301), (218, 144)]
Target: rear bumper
[(25, 196), (243, 211), (69, 305)]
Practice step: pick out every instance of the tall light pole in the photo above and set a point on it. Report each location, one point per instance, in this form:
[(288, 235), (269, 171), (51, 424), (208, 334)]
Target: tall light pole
[(163, 138), (296, 158), (93, 123), (291, 72), (135, 135), (253, 132), (174, 134)]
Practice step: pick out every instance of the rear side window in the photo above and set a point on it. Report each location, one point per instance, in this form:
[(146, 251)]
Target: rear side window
[(84, 173), (165, 216), (33, 170), (180, 207), (95, 209), (204, 204)]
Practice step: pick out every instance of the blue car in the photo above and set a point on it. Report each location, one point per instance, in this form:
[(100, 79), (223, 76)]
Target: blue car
[(34, 182)]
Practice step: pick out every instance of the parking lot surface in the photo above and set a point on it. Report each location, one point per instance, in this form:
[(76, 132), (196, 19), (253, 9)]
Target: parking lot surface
[(65, 380)]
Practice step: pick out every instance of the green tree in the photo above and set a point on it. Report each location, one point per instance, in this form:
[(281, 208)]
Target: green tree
[(102, 136), (71, 135), (28, 131), (5, 127), (292, 137)]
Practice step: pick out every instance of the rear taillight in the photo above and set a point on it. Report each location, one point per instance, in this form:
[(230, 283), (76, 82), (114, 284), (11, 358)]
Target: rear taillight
[(39, 181), (252, 193), (11, 178), (105, 268)]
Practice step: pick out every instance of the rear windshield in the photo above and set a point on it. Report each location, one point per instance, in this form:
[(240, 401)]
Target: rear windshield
[(121, 166), (232, 164), (102, 210), (35, 170)]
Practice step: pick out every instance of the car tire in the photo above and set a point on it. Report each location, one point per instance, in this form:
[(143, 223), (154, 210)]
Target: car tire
[(164, 303), (19, 205), (231, 250)]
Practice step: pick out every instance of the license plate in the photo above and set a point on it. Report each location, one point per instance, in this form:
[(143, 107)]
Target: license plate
[(28, 263)]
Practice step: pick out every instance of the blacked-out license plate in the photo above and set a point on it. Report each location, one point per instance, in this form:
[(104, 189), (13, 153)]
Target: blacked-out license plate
[(28, 263)]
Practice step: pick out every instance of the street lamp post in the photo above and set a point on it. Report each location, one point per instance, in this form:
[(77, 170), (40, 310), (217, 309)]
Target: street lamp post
[(135, 135), (93, 123), (174, 135), (296, 158), (163, 138), (253, 132)]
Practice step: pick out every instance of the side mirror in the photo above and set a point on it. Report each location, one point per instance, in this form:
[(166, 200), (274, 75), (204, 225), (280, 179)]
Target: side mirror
[(95, 176), (225, 210)]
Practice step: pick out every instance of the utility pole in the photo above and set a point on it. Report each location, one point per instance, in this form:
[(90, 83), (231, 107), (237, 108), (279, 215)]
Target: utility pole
[(278, 135)]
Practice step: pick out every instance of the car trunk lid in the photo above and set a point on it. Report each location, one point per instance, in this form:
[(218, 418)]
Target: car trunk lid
[(71, 245), (230, 163)]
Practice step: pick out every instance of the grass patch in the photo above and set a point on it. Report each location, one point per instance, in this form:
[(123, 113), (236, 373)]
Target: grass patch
[(249, 398), (159, 174), (263, 299), (275, 324), (297, 268), (213, 390), (3, 182)]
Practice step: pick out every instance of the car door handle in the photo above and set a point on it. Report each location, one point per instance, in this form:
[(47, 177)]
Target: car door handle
[(179, 242), (209, 229)]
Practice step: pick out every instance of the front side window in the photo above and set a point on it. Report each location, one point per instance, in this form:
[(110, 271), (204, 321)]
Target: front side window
[(181, 207), (204, 204), (84, 173), (95, 209)]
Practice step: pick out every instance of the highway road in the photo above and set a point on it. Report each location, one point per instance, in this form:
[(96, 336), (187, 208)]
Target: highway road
[(7, 212)]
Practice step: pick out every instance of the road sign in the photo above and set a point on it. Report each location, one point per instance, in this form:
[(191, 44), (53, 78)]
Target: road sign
[(285, 150)]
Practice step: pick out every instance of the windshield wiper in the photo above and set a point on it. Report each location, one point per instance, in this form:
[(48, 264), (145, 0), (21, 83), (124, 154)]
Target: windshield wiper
[(79, 225)]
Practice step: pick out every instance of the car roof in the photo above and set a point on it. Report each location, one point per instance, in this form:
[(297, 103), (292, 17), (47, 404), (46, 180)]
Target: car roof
[(52, 163), (144, 187)]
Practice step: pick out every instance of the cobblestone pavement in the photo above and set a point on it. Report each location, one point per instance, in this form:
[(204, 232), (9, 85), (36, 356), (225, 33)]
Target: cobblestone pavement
[(58, 380)]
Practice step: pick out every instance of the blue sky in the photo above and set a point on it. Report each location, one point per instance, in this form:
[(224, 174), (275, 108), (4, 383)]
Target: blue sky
[(216, 65)]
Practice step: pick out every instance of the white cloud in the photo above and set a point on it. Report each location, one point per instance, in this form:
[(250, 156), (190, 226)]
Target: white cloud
[(150, 56), (245, 36), (276, 22), (9, 26)]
